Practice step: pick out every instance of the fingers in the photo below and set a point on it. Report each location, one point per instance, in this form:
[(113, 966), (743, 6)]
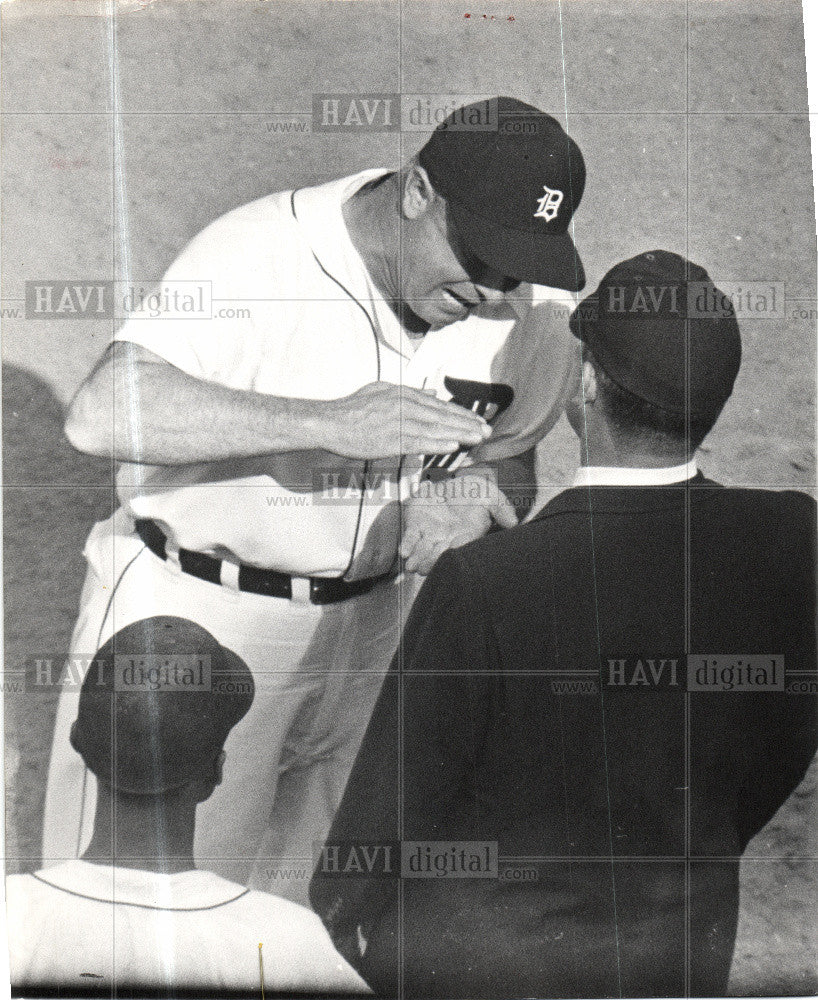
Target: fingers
[(441, 434), (424, 555), (505, 514), (420, 551), (443, 428), (411, 539), (417, 439), (426, 444), (384, 419), (421, 436), (422, 405), (423, 543)]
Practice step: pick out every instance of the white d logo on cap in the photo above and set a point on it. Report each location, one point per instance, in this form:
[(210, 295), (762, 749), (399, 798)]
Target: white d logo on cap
[(549, 204)]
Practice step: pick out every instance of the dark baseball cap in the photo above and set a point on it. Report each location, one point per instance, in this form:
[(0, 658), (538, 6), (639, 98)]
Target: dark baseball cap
[(157, 704), (512, 178), (660, 329)]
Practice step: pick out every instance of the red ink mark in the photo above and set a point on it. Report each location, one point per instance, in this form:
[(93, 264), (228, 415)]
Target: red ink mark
[(487, 17)]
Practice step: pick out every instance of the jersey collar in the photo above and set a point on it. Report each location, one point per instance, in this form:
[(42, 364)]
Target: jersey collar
[(318, 211), (191, 890), (320, 217)]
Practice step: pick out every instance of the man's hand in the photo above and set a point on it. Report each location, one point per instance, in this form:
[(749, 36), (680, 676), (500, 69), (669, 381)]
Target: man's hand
[(451, 512), (165, 416), (382, 420)]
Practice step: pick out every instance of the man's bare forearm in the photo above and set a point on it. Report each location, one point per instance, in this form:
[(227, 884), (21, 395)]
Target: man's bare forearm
[(139, 408), (142, 410)]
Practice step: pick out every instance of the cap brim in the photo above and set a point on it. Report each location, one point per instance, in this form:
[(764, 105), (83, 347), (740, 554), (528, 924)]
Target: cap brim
[(539, 258)]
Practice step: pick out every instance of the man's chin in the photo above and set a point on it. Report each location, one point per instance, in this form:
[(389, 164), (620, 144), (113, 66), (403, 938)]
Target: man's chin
[(430, 316), (439, 324), (444, 317)]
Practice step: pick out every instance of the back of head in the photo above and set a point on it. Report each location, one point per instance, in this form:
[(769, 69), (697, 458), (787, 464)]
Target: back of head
[(158, 704), (666, 348)]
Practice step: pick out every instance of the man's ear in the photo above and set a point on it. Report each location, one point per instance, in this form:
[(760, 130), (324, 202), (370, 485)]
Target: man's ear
[(201, 788), (589, 384), (72, 738), (418, 194)]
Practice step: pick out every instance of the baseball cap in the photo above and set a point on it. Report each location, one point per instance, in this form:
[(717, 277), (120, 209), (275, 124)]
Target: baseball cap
[(157, 704), (512, 178), (660, 329)]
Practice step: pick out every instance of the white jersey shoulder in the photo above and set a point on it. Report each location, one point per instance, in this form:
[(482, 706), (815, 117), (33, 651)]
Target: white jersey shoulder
[(79, 925)]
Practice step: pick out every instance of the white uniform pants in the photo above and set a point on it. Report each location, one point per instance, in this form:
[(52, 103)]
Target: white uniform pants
[(317, 671)]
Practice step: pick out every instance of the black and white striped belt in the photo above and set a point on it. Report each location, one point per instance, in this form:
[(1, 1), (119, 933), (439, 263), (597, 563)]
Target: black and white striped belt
[(267, 582)]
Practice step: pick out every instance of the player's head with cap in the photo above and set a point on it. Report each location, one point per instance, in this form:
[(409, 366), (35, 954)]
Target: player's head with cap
[(487, 204), (662, 350), (156, 708)]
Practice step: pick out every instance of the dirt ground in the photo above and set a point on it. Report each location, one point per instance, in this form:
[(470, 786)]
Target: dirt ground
[(695, 135)]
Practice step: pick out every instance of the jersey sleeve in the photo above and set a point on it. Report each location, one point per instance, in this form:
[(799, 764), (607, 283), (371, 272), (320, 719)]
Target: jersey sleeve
[(541, 361), (215, 309)]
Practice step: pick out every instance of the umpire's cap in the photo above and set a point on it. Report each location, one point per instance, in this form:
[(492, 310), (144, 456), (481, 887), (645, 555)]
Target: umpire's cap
[(157, 704), (512, 179), (660, 329)]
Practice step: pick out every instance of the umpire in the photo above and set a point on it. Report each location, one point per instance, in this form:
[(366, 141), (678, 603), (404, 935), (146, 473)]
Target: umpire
[(611, 696)]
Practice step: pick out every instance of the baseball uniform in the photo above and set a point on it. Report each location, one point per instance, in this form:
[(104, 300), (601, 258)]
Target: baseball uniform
[(318, 329), (83, 926)]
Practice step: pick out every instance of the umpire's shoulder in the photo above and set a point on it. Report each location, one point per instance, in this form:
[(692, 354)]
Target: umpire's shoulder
[(779, 527), (502, 558), (792, 511)]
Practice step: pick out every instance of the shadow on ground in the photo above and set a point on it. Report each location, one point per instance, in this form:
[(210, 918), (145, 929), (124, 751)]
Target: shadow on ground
[(51, 497)]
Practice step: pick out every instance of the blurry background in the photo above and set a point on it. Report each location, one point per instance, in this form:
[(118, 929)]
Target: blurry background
[(692, 118)]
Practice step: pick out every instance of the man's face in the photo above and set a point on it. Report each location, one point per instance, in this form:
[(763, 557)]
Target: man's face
[(440, 281)]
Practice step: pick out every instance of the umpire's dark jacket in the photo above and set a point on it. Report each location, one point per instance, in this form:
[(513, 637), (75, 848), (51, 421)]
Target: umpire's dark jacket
[(620, 815)]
